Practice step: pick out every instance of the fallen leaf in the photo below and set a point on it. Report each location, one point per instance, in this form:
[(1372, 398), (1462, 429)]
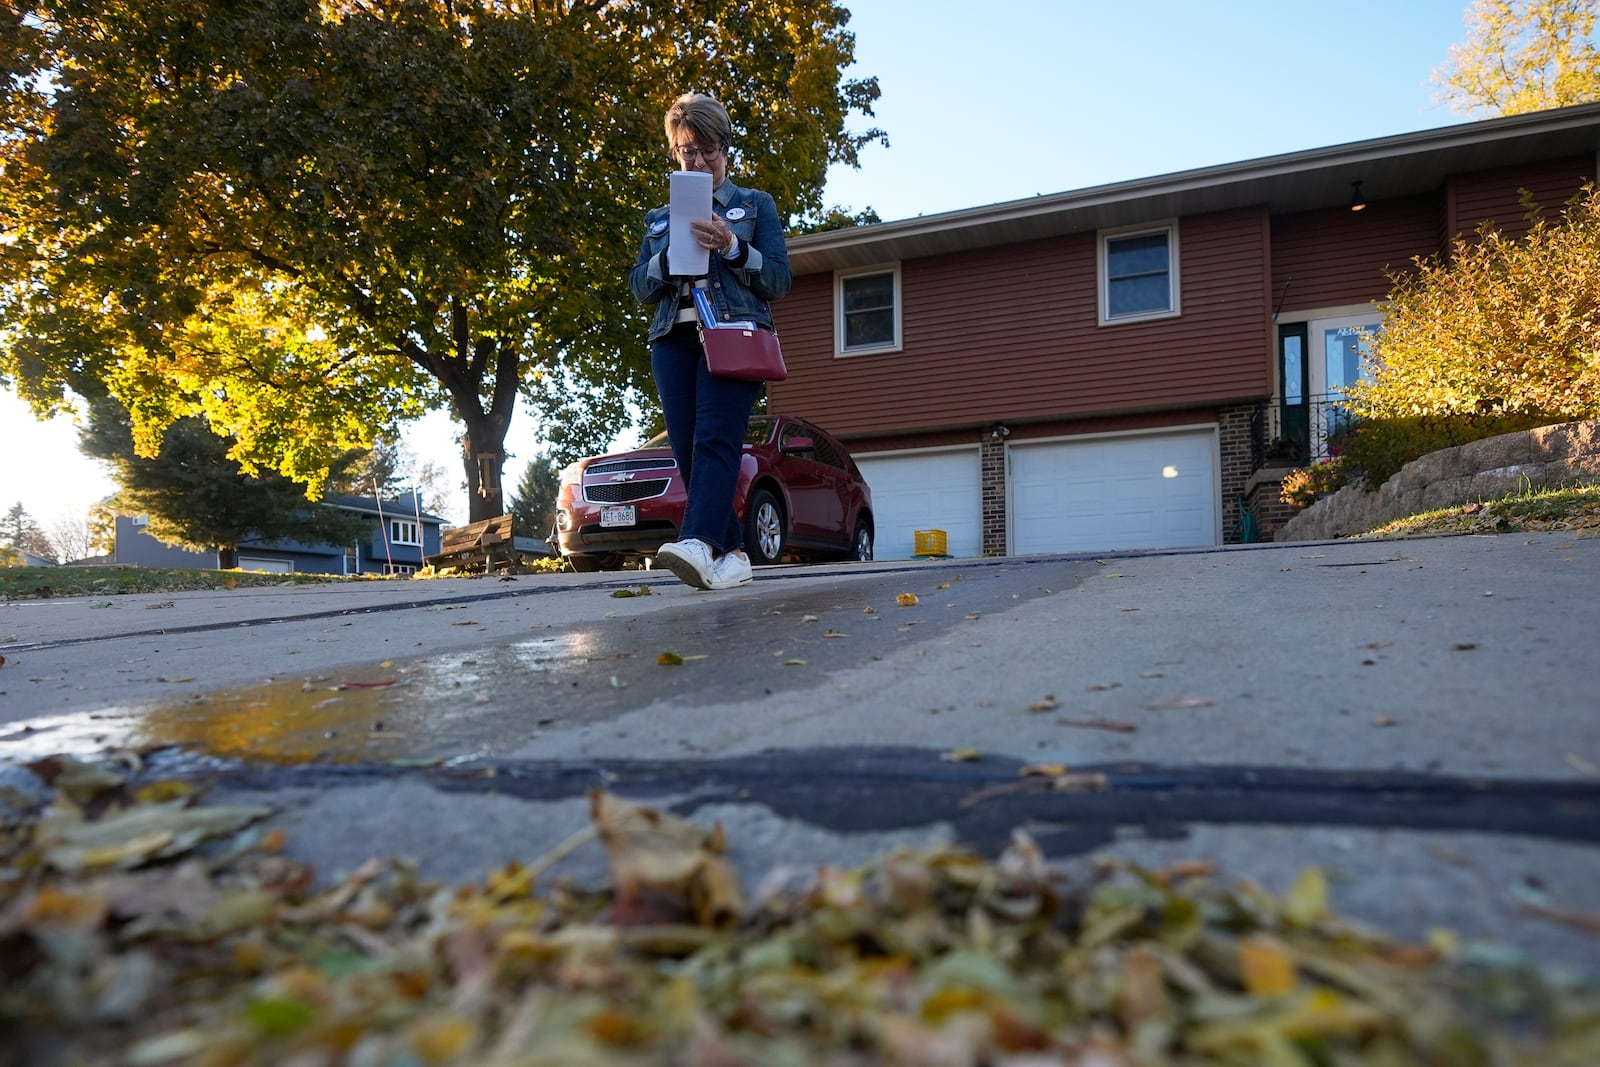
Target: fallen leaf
[(1464, 646), (962, 755), (1081, 782), (174, 680), (466, 622), (643, 590), (1046, 703), (159, 604), (1266, 966), (1588, 922), (1048, 770), (664, 868), (1101, 724), (1581, 765), (906, 600), (1385, 720), (366, 685), (143, 834), (808, 618), (794, 663), (942, 585), (669, 659), (1101, 687), (833, 633)]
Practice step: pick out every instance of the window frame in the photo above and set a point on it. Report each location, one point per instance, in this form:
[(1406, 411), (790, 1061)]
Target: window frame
[(840, 349), (399, 527), (1106, 238)]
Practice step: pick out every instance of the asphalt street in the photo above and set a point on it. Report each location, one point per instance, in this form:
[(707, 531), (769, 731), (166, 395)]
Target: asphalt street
[(1417, 717)]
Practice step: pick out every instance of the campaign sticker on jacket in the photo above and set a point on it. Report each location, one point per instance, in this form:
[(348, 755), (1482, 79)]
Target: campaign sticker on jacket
[(735, 214), (659, 227)]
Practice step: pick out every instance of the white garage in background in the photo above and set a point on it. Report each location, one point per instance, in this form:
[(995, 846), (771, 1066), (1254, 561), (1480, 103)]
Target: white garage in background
[(934, 490), (1096, 494)]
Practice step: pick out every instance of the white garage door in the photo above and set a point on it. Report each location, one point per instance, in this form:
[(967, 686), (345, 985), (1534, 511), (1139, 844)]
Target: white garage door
[(1105, 493), (925, 491)]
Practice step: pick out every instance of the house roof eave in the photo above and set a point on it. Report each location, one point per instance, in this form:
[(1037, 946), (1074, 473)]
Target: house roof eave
[(1388, 167)]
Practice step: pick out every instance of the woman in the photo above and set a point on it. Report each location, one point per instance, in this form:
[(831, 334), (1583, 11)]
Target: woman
[(706, 415)]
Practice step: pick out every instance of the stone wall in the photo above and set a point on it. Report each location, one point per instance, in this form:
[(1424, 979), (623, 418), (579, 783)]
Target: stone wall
[(1568, 454)]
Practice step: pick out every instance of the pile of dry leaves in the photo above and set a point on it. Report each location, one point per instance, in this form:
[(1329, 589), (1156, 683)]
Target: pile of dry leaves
[(139, 926)]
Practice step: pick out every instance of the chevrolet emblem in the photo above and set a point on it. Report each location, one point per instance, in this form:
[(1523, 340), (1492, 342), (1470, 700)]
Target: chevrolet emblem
[(625, 476)]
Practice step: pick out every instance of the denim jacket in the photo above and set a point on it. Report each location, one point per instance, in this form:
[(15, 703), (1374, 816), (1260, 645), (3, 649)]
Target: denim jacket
[(737, 292)]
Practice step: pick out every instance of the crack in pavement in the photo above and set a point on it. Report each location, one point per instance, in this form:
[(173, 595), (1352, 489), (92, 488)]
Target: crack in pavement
[(878, 790)]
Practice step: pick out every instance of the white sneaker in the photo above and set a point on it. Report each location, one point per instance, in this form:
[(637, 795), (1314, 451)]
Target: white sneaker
[(730, 569), (690, 560)]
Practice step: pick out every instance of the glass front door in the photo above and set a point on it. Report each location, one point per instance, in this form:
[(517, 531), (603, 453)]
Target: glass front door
[(1337, 348)]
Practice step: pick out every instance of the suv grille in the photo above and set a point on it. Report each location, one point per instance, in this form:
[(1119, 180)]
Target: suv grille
[(611, 466), (624, 492)]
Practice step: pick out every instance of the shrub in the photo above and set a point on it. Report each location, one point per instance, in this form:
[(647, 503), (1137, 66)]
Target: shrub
[(1375, 449), (1303, 485), (1502, 327)]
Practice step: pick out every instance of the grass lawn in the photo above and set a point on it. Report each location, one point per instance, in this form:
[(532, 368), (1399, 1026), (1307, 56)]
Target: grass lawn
[(41, 582)]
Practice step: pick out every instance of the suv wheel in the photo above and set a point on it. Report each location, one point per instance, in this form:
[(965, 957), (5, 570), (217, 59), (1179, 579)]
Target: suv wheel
[(861, 543), (763, 528)]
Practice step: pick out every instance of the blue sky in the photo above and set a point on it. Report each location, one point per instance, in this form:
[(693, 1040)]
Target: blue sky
[(1006, 99)]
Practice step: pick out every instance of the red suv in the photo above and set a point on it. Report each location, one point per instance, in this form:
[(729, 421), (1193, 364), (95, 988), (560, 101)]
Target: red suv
[(799, 495)]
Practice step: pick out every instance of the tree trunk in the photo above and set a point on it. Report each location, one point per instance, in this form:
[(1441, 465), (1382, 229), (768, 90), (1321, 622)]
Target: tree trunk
[(483, 458)]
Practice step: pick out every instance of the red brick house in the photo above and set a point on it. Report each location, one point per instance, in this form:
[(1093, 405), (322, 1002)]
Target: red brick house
[(1108, 368)]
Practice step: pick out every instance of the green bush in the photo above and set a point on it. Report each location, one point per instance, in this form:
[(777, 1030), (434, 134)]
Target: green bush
[(1375, 449)]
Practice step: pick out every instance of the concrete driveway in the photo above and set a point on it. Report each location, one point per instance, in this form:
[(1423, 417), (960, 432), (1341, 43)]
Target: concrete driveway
[(1417, 717)]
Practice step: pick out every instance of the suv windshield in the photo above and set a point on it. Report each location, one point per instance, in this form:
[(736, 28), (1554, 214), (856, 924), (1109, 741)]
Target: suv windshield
[(757, 432)]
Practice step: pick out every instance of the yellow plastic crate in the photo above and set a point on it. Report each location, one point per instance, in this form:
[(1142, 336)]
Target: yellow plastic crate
[(930, 543)]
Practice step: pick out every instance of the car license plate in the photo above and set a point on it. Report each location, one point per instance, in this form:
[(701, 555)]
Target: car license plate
[(624, 515)]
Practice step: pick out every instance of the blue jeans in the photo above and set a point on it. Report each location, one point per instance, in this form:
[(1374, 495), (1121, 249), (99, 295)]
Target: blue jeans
[(706, 418)]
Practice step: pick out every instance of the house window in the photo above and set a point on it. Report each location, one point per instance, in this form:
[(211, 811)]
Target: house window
[(399, 568), (403, 533), (1139, 274), (868, 311)]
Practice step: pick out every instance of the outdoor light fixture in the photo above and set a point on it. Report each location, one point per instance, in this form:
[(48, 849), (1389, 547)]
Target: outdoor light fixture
[(1000, 432), (1357, 201)]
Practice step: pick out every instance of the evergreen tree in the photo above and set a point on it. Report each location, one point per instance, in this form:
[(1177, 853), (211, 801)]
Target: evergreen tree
[(197, 497), (20, 533), (533, 504)]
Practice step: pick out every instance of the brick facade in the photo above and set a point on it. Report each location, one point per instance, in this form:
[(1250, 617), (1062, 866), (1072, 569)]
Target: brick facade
[(992, 460), (1237, 453)]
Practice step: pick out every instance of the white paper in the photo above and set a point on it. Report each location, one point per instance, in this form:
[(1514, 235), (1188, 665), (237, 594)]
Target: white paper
[(691, 199)]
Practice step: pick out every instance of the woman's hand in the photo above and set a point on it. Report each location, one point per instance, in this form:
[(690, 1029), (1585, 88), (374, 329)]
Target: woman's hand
[(711, 233)]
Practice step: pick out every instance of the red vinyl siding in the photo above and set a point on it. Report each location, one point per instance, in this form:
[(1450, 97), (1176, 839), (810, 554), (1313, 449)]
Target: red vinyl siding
[(1496, 195), (1336, 256), (1013, 334)]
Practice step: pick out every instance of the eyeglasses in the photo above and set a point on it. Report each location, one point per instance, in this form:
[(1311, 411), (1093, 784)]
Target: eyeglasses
[(687, 152)]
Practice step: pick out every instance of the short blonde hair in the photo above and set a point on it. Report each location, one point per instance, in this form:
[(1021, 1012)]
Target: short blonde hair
[(702, 116)]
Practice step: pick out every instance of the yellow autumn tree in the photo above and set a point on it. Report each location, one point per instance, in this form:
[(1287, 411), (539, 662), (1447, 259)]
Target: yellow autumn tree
[(1502, 335), (1523, 55)]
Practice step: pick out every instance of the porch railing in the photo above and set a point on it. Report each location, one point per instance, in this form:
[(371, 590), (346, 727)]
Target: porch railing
[(1303, 430)]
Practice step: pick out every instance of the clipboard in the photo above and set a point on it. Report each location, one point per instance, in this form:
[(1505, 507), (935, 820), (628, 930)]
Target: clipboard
[(690, 199)]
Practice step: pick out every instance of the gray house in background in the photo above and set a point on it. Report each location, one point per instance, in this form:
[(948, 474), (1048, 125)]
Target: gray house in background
[(401, 537)]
